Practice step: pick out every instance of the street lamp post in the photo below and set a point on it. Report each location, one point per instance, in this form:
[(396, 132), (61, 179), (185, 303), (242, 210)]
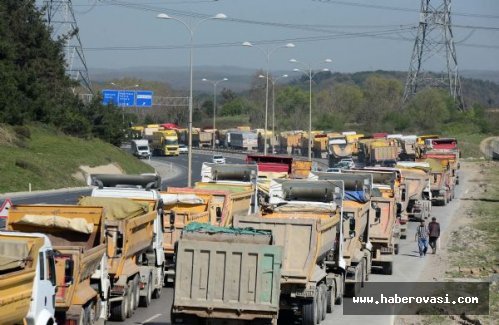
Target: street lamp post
[(214, 83), (274, 82), (123, 106), (267, 52), (191, 28), (310, 74)]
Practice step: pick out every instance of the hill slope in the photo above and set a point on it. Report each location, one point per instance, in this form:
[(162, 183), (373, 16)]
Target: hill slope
[(48, 159)]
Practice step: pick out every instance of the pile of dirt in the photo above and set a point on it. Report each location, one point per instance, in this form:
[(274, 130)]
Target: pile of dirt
[(84, 172)]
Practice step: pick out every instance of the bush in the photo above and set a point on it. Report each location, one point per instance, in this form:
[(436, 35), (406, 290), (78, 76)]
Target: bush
[(22, 131)]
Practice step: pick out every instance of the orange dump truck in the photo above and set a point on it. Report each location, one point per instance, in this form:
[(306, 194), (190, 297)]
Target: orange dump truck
[(77, 234)]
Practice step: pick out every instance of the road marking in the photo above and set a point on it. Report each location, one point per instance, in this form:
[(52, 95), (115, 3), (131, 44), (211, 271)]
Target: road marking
[(151, 318)]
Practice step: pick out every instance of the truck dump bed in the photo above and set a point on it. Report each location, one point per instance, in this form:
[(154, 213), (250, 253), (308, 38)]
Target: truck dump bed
[(76, 232), (129, 226), (226, 273), (306, 237), (18, 260)]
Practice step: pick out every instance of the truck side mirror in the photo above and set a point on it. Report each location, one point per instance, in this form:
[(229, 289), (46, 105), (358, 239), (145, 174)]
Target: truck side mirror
[(352, 228), (68, 271), (378, 214), (218, 212), (403, 194), (119, 241), (172, 219)]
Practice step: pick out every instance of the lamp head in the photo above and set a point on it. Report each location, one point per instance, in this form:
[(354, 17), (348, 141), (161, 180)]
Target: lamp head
[(296, 70), (328, 60), (325, 69), (290, 45), (220, 16), (163, 16), (204, 79), (247, 44), (225, 79), (261, 76), (293, 60), (284, 76)]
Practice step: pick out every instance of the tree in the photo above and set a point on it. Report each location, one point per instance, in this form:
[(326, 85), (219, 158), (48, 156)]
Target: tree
[(428, 109)]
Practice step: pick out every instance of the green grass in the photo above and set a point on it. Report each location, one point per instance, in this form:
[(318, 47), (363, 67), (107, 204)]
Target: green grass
[(470, 144), (48, 159)]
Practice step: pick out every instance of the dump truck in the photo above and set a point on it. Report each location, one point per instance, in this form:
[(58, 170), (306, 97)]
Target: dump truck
[(208, 285), (237, 179), (339, 148), (305, 219), (408, 147), (417, 179), (441, 180), (165, 143), (27, 279), (384, 227), (180, 209), (356, 215), (295, 168), (135, 258), (242, 140), (451, 157), (77, 234)]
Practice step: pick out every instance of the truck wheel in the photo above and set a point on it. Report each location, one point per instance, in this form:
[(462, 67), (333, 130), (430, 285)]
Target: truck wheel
[(129, 297), (145, 301), (363, 272), (330, 295), (318, 293), (309, 311), (396, 249), (324, 294), (119, 310), (136, 291), (387, 268)]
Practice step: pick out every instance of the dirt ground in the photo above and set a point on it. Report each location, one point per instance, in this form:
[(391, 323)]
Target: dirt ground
[(85, 171), (459, 233)]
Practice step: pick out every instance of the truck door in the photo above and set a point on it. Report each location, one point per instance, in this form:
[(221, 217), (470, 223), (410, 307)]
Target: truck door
[(44, 286)]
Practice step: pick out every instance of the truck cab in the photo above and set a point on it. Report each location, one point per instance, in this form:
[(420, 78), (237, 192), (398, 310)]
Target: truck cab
[(140, 149)]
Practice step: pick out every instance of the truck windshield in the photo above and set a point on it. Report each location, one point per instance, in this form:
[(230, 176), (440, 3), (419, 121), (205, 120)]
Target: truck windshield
[(143, 148), (171, 142)]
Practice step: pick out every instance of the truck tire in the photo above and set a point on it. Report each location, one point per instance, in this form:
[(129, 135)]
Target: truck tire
[(330, 297), (145, 301), (309, 311), (323, 292), (388, 268), (363, 273), (129, 297), (136, 291), (318, 293), (396, 249), (119, 310), (156, 293)]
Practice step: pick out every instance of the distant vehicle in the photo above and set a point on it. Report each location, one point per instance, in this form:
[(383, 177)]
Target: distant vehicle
[(182, 148), (348, 161), (342, 165), (333, 170), (218, 159), (388, 163), (140, 149)]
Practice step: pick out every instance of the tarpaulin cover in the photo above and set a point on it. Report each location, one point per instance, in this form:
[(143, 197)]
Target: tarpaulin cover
[(13, 254), (52, 221), (169, 199), (357, 196), (207, 228), (116, 208)]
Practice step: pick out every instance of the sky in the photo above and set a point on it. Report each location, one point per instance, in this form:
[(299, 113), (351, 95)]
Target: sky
[(357, 35)]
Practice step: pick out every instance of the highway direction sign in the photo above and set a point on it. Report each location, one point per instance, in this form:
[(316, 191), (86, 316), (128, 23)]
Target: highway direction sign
[(143, 98), (109, 97), (126, 98)]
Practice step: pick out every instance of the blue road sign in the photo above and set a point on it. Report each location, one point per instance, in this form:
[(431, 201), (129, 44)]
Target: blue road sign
[(109, 97), (126, 98), (143, 98)]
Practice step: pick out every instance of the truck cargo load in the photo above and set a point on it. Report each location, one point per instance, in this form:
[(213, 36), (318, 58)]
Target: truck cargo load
[(207, 286), (296, 168), (77, 233)]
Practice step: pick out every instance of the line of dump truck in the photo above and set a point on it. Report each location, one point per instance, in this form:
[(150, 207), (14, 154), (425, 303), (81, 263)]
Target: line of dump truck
[(250, 243)]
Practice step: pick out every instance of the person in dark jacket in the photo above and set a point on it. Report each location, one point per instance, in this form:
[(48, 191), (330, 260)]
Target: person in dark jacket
[(434, 233)]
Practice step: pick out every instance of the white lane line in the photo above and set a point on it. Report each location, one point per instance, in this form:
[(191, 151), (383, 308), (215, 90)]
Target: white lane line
[(151, 318)]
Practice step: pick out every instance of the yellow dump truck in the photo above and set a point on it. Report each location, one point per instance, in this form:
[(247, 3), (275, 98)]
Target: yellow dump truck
[(417, 177), (134, 224), (305, 219), (238, 180), (129, 227), (338, 148), (77, 234), (27, 279), (181, 208)]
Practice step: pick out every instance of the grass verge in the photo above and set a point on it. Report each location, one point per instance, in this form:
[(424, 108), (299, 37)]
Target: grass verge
[(47, 159)]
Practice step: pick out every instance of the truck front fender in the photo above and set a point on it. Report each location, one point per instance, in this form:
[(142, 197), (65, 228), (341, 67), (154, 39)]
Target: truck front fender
[(45, 317)]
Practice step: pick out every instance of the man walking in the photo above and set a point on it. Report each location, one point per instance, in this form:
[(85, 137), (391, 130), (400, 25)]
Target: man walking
[(422, 239), (434, 233)]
